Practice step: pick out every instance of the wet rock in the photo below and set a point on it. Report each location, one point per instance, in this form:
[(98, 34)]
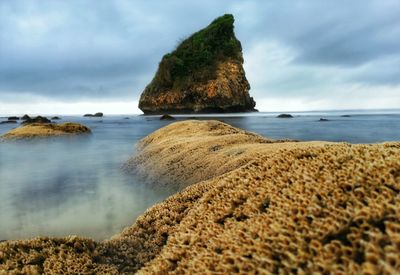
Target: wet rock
[(36, 130), (285, 116), (25, 117), (166, 117), (38, 119), (95, 115)]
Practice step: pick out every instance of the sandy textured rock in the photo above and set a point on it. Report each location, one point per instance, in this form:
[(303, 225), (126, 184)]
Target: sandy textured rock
[(35, 130), (294, 207), (191, 151)]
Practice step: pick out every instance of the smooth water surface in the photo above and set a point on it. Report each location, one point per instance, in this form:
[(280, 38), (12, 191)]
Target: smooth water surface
[(74, 185)]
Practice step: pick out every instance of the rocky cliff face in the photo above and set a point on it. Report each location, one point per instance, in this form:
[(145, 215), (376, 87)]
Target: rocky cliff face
[(203, 74)]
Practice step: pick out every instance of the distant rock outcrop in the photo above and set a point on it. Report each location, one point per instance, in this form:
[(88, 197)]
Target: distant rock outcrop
[(95, 115), (25, 117), (203, 74), (285, 116), (38, 119)]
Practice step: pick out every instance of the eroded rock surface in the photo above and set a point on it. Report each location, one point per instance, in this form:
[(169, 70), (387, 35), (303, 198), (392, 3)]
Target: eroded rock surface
[(35, 130), (291, 207)]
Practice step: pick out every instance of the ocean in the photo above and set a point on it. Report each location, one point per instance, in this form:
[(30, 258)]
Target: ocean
[(75, 185)]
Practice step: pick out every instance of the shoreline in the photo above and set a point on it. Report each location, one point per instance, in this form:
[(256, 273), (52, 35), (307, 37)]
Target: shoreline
[(236, 215)]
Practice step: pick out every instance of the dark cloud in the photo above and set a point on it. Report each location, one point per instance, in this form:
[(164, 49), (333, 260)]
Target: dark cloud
[(70, 50)]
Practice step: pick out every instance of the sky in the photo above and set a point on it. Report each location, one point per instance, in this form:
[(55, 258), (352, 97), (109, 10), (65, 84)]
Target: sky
[(75, 56)]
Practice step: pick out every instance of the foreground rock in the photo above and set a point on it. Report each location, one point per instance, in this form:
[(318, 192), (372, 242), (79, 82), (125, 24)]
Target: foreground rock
[(182, 148), (34, 130), (289, 207), (204, 74)]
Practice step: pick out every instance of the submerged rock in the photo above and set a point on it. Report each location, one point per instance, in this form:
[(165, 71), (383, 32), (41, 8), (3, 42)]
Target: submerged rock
[(285, 116), (345, 115), (166, 117), (203, 74), (323, 119), (33, 130), (38, 119)]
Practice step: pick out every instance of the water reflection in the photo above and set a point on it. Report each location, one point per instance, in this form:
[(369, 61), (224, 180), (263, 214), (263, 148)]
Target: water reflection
[(68, 186)]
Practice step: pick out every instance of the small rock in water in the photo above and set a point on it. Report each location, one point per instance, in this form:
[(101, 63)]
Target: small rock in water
[(8, 122), (99, 114), (323, 119), (285, 116), (166, 117), (55, 118), (38, 119), (25, 117), (13, 118), (346, 116)]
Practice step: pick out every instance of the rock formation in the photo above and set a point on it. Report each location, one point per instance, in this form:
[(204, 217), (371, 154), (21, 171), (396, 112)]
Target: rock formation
[(285, 116), (203, 74), (279, 208), (35, 130), (38, 119), (99, 114), (167, 117)]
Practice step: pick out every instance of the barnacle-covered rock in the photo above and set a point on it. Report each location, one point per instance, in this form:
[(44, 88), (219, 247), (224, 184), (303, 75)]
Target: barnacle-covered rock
[(190, 151), (40, 130), (292, 207)]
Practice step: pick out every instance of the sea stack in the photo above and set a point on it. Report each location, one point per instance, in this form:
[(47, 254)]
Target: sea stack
[(204, 74)]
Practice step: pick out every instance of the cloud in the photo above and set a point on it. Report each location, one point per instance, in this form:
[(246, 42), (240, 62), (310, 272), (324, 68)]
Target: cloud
[(75, 51)]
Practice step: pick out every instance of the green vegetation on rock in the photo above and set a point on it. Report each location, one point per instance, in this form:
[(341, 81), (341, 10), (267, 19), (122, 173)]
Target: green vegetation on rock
[(195, 59)]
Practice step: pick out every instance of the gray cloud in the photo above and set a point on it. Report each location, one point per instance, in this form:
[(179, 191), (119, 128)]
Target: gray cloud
[(70, 50)]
